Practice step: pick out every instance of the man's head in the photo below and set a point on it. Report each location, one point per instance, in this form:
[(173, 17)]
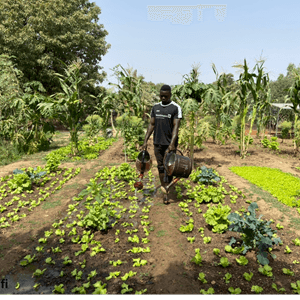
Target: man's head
[(165, 94)]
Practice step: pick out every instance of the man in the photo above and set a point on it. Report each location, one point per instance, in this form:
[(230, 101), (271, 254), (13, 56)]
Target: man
[(165, 120)]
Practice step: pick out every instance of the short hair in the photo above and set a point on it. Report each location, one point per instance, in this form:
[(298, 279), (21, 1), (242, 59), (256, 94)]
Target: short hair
[(165, 88)]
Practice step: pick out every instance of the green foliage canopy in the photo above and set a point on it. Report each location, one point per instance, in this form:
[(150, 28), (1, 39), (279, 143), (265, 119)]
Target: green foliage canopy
[(41, 34)]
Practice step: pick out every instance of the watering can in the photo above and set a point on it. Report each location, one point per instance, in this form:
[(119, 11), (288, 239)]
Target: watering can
[(143, 164), (176, 165)]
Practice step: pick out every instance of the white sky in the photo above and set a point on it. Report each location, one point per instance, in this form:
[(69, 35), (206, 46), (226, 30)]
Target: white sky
[(163, 52)]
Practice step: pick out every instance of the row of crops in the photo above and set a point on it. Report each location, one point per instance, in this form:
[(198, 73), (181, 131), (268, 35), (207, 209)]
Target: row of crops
[(103, 243)]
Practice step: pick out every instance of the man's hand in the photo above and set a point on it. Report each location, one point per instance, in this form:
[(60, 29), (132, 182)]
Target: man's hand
[(171, 148), (143, 147)]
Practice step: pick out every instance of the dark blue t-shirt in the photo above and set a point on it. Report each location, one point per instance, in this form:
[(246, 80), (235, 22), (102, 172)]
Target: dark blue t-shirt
[(164, 116)]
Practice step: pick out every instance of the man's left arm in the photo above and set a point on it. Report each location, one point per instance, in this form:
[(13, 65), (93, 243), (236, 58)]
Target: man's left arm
[(176, 123)]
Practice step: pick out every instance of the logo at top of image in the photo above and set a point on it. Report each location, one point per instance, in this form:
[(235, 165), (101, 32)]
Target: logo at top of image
[(169, 116)]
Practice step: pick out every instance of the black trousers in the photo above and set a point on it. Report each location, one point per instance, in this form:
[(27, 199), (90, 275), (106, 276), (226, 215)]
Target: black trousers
[(160, 151)]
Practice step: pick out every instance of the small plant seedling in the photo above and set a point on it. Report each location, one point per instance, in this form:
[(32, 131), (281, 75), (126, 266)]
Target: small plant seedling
[(227, 277), (257, 289), (287, 249), (296, 287), (248, 276), (216, 251), (234, 291), (281, 290), (288, 272), (278, 226), (224, 262), (208, 292), (201, 277), (266, 270)]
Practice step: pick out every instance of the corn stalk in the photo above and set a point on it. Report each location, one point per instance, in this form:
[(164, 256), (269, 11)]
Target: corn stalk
[(260, 92)]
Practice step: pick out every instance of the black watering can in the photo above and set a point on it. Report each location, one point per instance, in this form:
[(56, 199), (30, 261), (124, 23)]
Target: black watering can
[(176, 165)]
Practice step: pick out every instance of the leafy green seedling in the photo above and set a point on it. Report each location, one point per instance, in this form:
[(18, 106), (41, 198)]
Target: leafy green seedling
[(266, 270), (248, 276), (224, 262), (134, 239), (296, 242), (38, 272), (278, 226), (125, 289), (197, 259), (49, 261), (210, 291), (206, 239), (296, 287), (227, 277), (216, 251), (140, 292), (113, 275), (228, 248), (100, 288), (242, 261), (115, 263), (56, 250), (191, 239), (92, 274), (201, 277), (29, 260), (138, 262), (234, 291), (59, 289), (287, 249), (128, 275), (281, 290), (67, 260), (296, 262), (257, 289), (288, 272), (83, 264)]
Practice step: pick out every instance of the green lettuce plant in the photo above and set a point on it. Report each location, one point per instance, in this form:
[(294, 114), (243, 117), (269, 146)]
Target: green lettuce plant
[(243, 261), (288, 272), (248, 276), (281, 290), (224, 262), (227, 277), (201, 277), (234, 291), (197, 259), (257, 289), (208, 292), (216, 216), (266, 270)]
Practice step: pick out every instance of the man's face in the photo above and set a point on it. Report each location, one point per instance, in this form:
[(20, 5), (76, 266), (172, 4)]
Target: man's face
[(165, 97)]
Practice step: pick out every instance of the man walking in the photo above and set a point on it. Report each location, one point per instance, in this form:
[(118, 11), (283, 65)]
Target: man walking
[(165, 120)]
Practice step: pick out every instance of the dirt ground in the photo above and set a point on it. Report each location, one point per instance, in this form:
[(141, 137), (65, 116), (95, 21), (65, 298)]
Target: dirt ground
[(170, 267)]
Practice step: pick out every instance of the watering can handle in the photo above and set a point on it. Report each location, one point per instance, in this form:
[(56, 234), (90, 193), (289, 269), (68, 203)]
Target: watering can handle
[(171, 151)]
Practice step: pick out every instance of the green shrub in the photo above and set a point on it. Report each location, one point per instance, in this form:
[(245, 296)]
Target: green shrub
[(285, 128)]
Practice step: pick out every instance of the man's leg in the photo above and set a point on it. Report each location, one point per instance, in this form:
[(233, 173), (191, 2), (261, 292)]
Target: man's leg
[(159, 154)]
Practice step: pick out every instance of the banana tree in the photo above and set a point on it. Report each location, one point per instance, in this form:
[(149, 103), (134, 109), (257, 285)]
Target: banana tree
[(105, 108), (67, 106), (260, 93)]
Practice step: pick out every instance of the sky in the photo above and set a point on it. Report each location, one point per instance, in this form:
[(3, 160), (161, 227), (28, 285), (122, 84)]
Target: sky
[(164, 40)]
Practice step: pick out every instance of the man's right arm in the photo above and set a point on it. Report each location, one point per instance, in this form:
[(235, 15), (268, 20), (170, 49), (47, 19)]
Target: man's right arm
[(149, 130)]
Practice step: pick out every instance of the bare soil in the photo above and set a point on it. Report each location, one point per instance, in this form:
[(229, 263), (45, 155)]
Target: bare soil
[(169, 269)]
